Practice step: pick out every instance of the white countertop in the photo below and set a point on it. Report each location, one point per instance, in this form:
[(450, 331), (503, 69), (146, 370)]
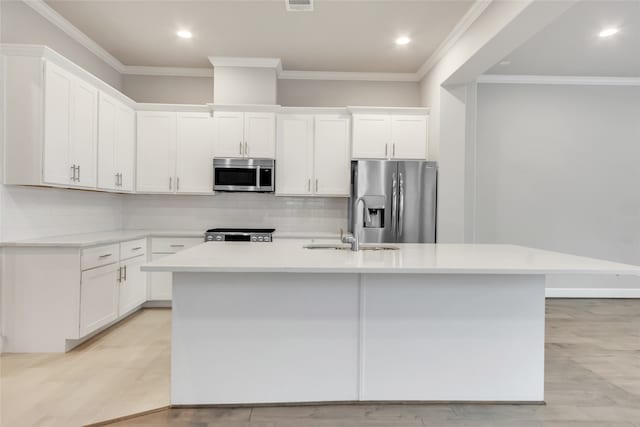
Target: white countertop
[(107, 237), (289, 256)]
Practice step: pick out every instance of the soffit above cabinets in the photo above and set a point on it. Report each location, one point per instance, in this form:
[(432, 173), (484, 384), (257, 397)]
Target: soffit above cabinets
[(345, 36)]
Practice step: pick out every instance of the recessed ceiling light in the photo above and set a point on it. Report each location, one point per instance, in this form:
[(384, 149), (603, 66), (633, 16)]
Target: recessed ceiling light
[(403, 40), (185, 34), (608, 32)]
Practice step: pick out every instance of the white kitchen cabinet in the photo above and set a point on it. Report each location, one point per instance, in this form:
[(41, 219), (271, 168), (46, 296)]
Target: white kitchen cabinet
[(332, 160), (116, 144), (294, 155), (174, 152), (70, 129), (194, 161), (133, 285), (408, 137), (98, 298), (156, 142), (159, 282), (389, 136), (244, 134), (313, 155)]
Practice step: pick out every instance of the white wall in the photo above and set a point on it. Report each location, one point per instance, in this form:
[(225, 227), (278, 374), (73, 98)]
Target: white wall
[(557, 168), (21, 24), (335, 93), (228, 210), (168, 89), (244, 85)]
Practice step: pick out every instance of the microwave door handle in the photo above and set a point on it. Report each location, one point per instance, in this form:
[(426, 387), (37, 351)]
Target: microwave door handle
[(258, 177)]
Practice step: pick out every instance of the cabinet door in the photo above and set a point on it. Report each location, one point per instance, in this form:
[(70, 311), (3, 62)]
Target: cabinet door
[(332, 159), (156, 151), (260, 135), (371, 136), (294, 155), (125, 146), (84, 133), (57, 125), (229, 130), (194, 167), (133, 285), (107, 117), (98, 298), (160, 283), (409, 137)]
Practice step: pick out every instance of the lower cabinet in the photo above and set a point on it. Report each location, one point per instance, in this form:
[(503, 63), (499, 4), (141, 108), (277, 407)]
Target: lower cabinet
[(133, 285), (160, 289), (160, 283), (98, 297)]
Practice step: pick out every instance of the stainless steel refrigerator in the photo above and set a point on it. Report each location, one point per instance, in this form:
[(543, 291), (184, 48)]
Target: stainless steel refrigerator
[(393, 201)]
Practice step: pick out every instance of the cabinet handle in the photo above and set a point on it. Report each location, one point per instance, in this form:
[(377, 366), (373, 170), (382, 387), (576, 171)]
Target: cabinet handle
[(73, 172), (120, 179), (316, 185), (177, 246), (105, 256), (170, 183), (394, 149), (246, 149), (386, 150), (117, 180), (178, 183), (78, 173), (241, 148), (119, 274), (137, 248), (125, 272), (309, 185)]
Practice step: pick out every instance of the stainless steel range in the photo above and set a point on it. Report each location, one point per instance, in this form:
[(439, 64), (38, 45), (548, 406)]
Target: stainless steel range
[(239, 235)]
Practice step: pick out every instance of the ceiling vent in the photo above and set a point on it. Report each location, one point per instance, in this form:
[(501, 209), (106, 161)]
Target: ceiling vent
[(299, 5)]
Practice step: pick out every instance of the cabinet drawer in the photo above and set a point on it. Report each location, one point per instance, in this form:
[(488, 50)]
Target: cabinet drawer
[(133, 248), (101, 255), (170, 245)]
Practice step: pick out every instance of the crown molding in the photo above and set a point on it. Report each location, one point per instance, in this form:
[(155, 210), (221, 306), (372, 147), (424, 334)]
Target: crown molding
[(167, 71), (72, 31), (557, 80), (348, 75), (238, 61), (461, 27)]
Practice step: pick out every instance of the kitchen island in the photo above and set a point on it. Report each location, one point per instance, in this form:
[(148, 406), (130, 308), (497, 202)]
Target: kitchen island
[(276, 322)]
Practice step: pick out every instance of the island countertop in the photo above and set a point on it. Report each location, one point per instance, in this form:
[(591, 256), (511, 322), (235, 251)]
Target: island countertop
[(290, 256)]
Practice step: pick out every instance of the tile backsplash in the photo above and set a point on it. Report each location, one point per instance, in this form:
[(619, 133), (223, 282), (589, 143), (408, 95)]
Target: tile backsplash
[(234, 210)]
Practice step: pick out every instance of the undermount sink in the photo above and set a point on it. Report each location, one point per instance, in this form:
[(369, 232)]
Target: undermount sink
[(347, 247)]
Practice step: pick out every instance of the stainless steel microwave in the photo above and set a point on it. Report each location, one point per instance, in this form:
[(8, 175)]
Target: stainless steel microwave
[(257, 175)]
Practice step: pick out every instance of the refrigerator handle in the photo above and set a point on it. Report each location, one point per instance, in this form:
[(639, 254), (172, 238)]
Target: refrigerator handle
[(401, 205), (394, 204)]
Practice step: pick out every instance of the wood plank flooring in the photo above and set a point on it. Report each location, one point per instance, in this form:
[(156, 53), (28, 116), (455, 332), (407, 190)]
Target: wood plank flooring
[(592, 380)]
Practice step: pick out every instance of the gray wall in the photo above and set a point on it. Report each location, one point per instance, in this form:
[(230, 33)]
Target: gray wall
[(334, 93), (168, 90), (21, 24), (557, 168)]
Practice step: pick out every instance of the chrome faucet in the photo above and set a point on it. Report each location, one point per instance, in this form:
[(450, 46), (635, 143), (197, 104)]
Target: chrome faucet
[(353, 239)]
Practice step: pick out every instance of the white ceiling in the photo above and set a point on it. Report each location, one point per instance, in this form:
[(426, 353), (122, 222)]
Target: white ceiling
[(338, 36), (570, 46)]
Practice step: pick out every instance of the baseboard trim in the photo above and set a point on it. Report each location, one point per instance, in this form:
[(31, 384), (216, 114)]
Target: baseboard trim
[(592, 293), (157, 304)]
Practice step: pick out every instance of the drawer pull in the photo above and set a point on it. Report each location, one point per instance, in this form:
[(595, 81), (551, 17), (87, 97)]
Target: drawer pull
[(105, 255), (177, 246), (137, 248)]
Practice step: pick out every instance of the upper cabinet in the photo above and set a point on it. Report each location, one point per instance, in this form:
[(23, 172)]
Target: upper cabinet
[(70, 129), (116, 145), (175, 152), (244, 134), (313, 155), (390, 136)]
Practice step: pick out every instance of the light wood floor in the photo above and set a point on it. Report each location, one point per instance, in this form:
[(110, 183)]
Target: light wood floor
[(123, 371), (592, 380)]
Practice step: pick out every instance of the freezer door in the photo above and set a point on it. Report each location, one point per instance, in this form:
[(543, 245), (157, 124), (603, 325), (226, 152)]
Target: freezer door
[(371, 206), (416, 202)]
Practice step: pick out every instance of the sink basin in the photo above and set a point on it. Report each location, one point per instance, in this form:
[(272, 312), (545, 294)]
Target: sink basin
[(347, 247)]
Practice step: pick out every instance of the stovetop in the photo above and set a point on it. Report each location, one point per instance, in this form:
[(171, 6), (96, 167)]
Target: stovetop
[(241, 230)]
